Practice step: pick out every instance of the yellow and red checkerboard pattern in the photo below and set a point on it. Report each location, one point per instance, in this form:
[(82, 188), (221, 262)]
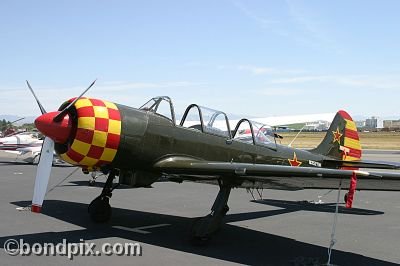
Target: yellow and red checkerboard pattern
[(98, 133)]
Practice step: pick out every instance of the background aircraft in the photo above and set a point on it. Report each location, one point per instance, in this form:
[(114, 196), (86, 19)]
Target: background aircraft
[(18, 140), (25, 145), (140, 145)]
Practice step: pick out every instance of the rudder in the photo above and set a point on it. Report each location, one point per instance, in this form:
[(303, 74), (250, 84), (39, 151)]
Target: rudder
[(341, 142)]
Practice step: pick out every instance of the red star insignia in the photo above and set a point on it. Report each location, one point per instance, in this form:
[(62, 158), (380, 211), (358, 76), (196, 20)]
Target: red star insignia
[(337, 135), (294, 162)]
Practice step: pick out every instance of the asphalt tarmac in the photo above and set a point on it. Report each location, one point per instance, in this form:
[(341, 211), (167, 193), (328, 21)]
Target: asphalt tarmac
[(281, 229)]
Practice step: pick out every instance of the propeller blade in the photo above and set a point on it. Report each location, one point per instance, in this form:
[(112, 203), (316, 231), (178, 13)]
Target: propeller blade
[(43, 174), (60, 116), (36, 98)]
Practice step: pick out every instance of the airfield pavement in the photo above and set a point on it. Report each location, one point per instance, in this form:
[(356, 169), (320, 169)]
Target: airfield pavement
[(280, 230)]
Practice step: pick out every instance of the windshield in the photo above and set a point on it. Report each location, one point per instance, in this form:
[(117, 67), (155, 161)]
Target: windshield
[(161, 105)]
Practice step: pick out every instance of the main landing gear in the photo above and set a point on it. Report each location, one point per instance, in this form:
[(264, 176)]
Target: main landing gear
[(99, 209), (203, 228), (93, 178)]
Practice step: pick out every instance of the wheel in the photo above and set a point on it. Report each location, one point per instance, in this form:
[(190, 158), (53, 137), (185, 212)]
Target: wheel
[(197, 240), (201, 239), (100, 210), (92, 182), (345, 197)]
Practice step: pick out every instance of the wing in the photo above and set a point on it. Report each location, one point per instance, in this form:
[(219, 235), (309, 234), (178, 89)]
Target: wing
[(181, 168), (362, 164)]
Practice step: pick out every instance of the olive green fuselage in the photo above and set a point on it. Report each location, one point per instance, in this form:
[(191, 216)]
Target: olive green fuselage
[(146, 137)]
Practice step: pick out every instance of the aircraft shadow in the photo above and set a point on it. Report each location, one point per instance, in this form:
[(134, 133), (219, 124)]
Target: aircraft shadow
[(232, 244), (293, 206), (99, 184), (25, 163)]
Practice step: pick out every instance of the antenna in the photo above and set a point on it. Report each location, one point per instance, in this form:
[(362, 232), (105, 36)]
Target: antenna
[(290, 144)]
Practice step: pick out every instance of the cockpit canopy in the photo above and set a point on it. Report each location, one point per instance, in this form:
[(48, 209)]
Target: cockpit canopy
[(213, 122), (206, 120), (161, 105), (253, 132)]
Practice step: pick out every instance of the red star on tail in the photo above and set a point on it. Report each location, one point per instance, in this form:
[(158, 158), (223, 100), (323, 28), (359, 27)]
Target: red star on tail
[(337, 135)]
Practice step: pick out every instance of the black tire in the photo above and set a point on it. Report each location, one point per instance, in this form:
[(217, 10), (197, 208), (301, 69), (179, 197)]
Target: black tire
[(100, 210), (195, 239), (345, 197)]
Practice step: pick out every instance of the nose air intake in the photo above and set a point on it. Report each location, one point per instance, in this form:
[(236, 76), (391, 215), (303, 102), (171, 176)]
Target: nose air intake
[(58, 131)]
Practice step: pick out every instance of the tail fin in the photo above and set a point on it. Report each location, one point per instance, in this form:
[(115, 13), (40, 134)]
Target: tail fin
[(341, 142)]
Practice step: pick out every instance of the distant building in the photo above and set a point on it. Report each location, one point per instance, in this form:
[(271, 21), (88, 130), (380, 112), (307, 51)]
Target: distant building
[(391, 124), (319, 125), (360, 124), (374, 123)]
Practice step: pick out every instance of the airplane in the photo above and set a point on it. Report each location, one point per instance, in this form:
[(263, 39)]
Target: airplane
[(140, 145), (18, 140), (25, 145)]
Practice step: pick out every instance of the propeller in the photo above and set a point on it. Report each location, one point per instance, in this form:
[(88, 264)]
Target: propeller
[(58, 122), (36, 98), (44, 166), (60, 116), (43, 174)]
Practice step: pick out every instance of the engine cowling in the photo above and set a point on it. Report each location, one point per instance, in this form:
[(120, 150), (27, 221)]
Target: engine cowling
[(94, 136), (97, 136)]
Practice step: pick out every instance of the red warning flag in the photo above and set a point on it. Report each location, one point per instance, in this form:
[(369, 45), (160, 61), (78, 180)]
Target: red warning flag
[(352, 190)]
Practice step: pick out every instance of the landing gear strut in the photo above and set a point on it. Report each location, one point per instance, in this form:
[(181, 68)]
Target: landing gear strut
[(94, 175), (99, 209), (204, 227)]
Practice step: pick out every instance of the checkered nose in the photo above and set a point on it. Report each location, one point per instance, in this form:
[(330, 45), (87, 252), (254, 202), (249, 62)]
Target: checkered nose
[(96, 133), (57, 131)]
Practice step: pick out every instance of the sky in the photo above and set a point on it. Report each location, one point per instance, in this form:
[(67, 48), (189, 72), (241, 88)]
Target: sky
[(256, 58)]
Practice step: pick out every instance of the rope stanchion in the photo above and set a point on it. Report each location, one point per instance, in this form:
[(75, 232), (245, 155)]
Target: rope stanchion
[(333, 239)]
